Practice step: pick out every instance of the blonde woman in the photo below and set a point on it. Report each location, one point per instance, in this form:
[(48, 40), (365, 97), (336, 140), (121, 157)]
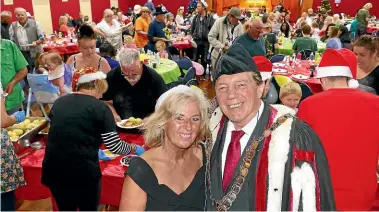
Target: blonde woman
[(170, 176), (80, 123), (63, 28)]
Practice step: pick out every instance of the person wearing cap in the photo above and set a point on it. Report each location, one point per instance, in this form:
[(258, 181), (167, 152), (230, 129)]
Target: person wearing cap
[(80, 123), (27, 34), (156, 27), (179, 19), (142, 28), (252, 40), (223, 32), (136, 12), (263, 158), (200, 28), (341, 116)]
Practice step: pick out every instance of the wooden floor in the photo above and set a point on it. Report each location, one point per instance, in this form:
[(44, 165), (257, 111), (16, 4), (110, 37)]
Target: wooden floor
[(45, 204)]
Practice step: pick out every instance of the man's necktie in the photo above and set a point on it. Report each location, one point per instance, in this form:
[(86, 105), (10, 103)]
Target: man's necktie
[(232, 157)]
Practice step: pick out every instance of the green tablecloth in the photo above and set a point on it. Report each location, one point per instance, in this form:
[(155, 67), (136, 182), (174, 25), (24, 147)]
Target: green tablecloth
[(286, 49), (168, 70)]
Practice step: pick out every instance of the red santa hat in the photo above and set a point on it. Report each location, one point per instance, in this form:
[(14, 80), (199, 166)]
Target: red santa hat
[(85, 75), (341, 62), (264, 66)]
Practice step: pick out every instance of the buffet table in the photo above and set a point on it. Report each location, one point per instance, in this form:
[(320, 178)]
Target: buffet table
[(111, 182)]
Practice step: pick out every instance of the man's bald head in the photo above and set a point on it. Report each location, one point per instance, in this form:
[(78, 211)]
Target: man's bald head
[(255, 29), (108, 12), (20, 14)]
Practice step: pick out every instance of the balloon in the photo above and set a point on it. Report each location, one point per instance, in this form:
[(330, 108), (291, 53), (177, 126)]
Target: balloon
[(272, 95)]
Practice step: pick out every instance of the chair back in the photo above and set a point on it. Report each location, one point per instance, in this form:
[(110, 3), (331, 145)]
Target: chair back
[(277, 58), (42, 88), (189, 75), (305, 90), (183, 63), (306, 53)]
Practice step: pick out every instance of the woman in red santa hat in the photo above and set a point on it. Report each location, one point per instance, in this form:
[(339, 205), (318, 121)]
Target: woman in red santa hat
[(346, 120), (80, 122)]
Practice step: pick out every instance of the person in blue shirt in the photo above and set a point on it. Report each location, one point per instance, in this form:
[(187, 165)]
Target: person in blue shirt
[(149, 4), (155, 32), (108, 53), (333, 42)]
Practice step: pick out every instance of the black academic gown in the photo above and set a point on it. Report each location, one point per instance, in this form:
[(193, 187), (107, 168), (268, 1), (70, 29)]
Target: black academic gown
[(301, 137)]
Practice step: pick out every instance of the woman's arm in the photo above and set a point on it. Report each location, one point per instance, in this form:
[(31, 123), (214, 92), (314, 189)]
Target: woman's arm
[(6, 120), (133, 198), (104, 66)]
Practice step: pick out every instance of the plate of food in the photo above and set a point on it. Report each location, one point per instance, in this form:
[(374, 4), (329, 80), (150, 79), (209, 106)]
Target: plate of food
[(130, 123), (125, 161)]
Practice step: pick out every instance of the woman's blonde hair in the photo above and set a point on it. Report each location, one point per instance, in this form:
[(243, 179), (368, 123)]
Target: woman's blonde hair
[(161, 44), (101, 86), (367, 6), (290, 88), (171, 106), (62, 19)]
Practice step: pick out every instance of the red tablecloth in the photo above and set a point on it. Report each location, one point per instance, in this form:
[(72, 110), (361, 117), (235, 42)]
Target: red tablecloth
[(111, 182), (313, 83), (182, 44), (70, 48), (371, 29)]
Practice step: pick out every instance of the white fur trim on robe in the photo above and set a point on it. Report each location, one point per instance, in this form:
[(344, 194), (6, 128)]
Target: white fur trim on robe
[(308, 188), (296, 184), (277, 158)]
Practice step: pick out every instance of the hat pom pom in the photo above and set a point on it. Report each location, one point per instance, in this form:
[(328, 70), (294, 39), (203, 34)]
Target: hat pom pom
[(353, 83)]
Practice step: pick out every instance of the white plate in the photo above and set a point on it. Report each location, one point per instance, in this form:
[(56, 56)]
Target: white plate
[(279, 70), (126, 160), (279, 65), (119, 124), (300, 77)]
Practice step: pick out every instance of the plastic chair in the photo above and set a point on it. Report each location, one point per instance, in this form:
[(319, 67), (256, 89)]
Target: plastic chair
[(306, 53), (184, 64), (277, 58), (189, 77), (43, 90), (281, 80), (305, 90)]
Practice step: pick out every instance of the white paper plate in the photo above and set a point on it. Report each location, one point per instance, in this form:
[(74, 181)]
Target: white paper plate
[(119, 124), (126, 160), (300, 77), (279, 65), (279, 70)]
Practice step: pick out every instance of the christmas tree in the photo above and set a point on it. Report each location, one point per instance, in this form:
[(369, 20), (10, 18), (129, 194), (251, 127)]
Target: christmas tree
[(192, 5), (325, 7)]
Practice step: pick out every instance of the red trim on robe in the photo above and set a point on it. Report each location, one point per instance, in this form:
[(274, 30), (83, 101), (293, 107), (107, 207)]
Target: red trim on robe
[(261, 179), (307, 156)]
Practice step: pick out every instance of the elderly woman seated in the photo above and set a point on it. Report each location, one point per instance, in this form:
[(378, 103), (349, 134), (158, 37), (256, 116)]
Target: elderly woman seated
[(170, 176)]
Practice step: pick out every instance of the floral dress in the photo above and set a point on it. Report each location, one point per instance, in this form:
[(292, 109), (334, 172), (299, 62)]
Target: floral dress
[(12, 174)]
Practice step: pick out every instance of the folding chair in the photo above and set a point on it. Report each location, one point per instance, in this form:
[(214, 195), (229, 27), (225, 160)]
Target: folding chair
[(306, 54), (43, 91), (306, 91)]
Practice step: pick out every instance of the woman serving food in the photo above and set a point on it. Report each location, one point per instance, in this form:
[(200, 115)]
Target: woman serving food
[(79, 124)]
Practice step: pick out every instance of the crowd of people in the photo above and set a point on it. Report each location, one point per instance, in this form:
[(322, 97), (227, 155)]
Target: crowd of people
[(233, 152)]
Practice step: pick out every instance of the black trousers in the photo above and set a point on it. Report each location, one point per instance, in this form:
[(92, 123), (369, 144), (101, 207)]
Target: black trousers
[(84, 196), (8, 201), (201, 52), (30, 60), (361, 30)]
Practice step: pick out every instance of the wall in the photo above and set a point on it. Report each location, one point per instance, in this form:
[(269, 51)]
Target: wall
[(350, 7)]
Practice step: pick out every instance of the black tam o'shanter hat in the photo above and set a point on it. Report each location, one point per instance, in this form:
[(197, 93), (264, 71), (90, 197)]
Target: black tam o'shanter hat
[(236, 60)]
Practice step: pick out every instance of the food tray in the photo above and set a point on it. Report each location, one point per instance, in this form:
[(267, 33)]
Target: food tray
[(28, 135)]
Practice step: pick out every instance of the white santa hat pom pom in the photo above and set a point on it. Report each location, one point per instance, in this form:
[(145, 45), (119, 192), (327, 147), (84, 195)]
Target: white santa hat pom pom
[(353, 83)]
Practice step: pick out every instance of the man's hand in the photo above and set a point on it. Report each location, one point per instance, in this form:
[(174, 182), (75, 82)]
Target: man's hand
[(226, 47), (34, 44), (117, 118), (9, 87)]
